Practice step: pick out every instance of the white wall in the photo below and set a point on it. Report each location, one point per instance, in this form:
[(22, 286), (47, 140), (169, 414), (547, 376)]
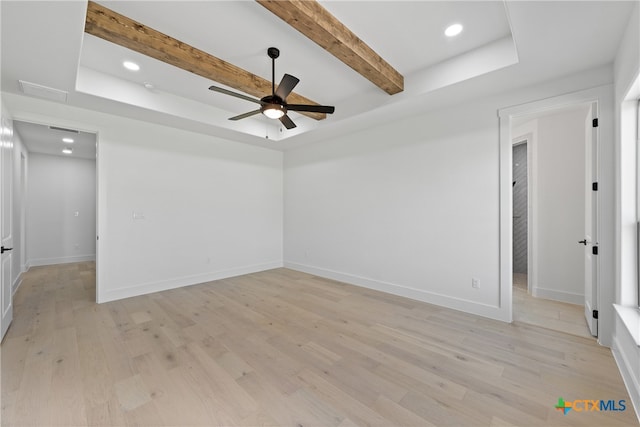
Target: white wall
[(212, 207), (405, 208), (626, 339), (411, 207), (558, 182), (19, 202), (59, 188)]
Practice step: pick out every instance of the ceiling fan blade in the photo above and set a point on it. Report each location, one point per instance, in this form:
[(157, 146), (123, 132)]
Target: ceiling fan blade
[(245, 115), (311, 108), (286, 85), (287, 122), (236, 94)]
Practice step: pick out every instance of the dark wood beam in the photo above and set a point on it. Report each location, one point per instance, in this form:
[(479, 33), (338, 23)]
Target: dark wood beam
[(121, 30), (315, 22)]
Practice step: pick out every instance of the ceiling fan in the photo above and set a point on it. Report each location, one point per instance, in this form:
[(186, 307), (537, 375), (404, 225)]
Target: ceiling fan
[(275, 106)]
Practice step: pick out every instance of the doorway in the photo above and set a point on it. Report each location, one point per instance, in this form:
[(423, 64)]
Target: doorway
[(520, 177), (601, 298), (49, 193), (58, 186), (550, 268)]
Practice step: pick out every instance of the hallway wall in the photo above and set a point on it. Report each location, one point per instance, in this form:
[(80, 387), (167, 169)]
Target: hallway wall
[(61, 210)]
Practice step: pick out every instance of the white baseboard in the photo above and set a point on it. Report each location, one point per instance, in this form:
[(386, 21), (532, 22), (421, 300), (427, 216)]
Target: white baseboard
[(179, 282), (467, 306), (16, 284), (555, 295), (627, 355), (61, 260)]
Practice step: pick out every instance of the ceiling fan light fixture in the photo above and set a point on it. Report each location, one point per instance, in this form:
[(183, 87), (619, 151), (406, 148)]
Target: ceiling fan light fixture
[(274, 111)]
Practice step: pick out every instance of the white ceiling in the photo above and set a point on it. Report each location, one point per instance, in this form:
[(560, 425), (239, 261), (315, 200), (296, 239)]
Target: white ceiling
[(45, 139), (509, 44), (524, 119)]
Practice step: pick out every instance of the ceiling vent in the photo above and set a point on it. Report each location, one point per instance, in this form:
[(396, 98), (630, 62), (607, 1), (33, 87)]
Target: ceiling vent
[(45, 92), (63, 129)]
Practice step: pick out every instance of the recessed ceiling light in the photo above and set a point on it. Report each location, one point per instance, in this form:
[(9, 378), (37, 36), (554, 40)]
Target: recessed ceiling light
[(132, 66), (67, 151), (453, 30), (67, 140)]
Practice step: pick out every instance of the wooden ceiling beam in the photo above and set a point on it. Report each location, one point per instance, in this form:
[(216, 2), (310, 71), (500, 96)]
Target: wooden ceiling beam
[(121, 30), (315, 22)]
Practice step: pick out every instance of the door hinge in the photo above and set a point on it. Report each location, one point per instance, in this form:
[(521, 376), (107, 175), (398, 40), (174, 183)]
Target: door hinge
[(595, 314), (594, 186), (594, 250), (594, 122)]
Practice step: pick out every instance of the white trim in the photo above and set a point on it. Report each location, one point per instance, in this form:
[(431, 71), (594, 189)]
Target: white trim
[(627, 377), (467, 306), (179, 282), (60, 260), (630, 319), (532, 211), (552, 294), (16, 284), (506, 218), (48, 120), (98, 206), (623, 344)]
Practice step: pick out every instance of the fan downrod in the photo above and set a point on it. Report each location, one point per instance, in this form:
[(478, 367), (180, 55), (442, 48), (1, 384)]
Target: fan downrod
[(273, 52)]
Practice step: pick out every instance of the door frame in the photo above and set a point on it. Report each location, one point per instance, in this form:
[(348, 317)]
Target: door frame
[(6, 261), (603, 96), (51, 121)]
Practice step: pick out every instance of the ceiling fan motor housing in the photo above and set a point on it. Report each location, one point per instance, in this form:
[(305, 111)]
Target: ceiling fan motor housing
[(275, 106)]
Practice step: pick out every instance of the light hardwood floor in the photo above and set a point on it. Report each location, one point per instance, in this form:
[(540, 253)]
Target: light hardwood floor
[(555, 315), (285, 348)]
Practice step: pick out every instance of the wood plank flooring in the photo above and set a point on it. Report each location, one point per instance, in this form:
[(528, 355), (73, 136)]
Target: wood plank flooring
[(556, 315), (283, 348)]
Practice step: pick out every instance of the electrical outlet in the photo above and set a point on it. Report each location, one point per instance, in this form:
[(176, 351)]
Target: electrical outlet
[(475, 283)]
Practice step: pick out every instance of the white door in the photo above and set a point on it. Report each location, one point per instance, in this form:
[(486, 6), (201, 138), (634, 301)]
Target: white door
[(6, 224), (591, 223)]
